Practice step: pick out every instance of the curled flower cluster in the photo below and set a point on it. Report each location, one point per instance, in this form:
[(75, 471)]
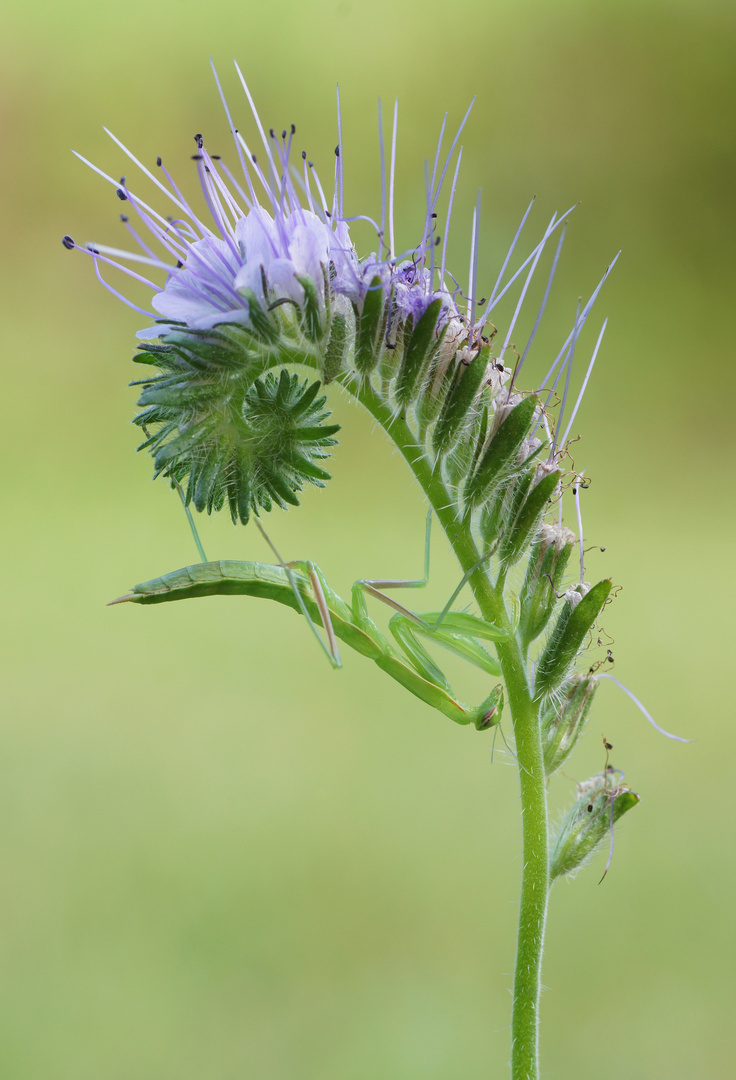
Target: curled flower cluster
[(272, 278)]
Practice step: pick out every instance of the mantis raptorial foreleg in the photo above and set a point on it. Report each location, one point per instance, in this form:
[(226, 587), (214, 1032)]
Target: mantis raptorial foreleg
[(301, 586), (456, 631)]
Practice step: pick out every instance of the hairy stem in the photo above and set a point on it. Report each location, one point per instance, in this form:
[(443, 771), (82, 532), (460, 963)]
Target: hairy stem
[(535, 866), (525, 718)]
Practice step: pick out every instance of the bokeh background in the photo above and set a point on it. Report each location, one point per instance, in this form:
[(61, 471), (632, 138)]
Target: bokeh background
[(220, 858)]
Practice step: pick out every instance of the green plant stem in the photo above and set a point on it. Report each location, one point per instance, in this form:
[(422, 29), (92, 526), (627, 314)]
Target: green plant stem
[(525, 718), (535, 872)]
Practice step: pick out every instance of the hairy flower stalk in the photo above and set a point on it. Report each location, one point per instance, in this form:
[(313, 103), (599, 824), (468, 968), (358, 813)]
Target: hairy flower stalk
[(267, 283)]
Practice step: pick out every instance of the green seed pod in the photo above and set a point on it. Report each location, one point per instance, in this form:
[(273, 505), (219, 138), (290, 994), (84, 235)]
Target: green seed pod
[(582, 607), (459, 400), (501, 453), (418, 353), (600, 804), (564, 720), (370, 323), (525, 520), (547, 562)]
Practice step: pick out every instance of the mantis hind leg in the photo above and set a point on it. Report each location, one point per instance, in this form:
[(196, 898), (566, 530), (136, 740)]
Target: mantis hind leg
[(319, 588), (190, 519)]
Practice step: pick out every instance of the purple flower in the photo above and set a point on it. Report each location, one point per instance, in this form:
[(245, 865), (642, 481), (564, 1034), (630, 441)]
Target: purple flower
[(265, 232)]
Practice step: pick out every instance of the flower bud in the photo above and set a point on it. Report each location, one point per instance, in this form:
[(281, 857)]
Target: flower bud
[(547, 561), (564, 720), (601, 802)]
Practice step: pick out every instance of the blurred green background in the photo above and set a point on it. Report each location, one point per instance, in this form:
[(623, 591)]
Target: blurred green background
[(219, 858)]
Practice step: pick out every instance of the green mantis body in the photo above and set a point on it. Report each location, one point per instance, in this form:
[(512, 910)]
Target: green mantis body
[(302, 587)]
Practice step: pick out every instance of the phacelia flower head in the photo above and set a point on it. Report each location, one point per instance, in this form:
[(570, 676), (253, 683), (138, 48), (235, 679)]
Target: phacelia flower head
[(270, 278)]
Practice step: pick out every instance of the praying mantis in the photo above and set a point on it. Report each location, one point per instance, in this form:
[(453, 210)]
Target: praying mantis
[(301, 585)]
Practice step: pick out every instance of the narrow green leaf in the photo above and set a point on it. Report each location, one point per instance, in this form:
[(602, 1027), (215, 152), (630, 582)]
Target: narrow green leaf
[(241, 482), (203, 492)]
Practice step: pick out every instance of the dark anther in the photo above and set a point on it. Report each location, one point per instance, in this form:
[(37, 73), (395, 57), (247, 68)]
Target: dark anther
[(337, 150), (216, 157), (589, 808), (196, 157), (304, 155), (327, 213), (482, 300), (574, 491), (121, 195), (255, 160), (68, 242), (199, 140), (293, 129), (93, 249), (434, 215), (283, 134), (437, 240), (310, 164), (179, 264), (158, 162), (123, 218), (271, 133), (206, 168)]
